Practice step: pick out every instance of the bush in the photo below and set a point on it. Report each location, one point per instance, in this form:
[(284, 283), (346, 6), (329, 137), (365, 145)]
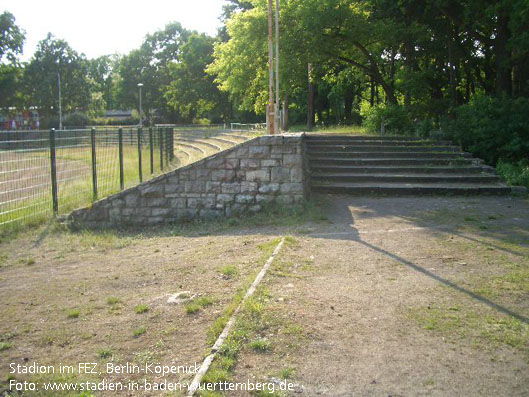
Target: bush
[(516, 174), (396, 119), (76, 119), (492, 128)]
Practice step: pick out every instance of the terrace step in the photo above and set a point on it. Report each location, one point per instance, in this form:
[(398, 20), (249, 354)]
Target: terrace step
[(369, 147), (319, 161), (396, 166), (411, 188), (380, 169), (384, 154), (405, 178)]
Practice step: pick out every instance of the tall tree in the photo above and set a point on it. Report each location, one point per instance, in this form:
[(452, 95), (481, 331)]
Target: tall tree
[(54, 58)]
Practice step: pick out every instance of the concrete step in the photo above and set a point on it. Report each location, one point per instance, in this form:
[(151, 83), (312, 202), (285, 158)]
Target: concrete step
[(380, 154), (411, 189), (369, 147), (338, 137), (402, 178), (381, 169), (367, 162)]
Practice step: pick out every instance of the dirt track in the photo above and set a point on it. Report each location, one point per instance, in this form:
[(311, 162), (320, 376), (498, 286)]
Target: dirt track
[(405, 296)]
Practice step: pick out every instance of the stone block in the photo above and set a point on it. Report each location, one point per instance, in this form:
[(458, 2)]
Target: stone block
[(131, 200), (225, 198), (244, 199), (213, 187), (249, 163), (153, 190), (195, 186), (249, 187), (231, 188), (118, 203), (291, 188), (291, 160), (232, 164), (258, 152), (270, 163), (280, 174), (258, 176), (269, 188), (223, 175), (160, 211), (264, 198), (296, 174)]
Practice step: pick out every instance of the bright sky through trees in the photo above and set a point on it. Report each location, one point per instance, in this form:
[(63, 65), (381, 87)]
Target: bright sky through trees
[(99, 27)]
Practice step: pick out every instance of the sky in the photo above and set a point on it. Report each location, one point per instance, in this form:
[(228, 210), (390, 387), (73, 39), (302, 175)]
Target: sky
[(100, 27)]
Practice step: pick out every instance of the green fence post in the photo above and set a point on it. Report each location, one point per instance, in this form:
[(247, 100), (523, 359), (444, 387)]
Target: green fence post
[(151, 149), (171, 140), (53, 163), (167, 144), (140, 169), (121, 171), (94, 164), (160, 138)]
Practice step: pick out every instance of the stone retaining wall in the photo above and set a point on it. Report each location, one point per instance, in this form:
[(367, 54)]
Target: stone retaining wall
[(261, 170)]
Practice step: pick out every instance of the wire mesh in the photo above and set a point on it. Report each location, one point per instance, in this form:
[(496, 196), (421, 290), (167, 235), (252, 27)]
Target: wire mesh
[(87, 165)]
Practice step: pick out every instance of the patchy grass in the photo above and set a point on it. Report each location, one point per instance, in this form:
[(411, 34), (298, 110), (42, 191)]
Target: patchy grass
[(105, 353), (483, 330), (260, 345), (198, 303), (112, 300), (73, 313), (139, 331), (141, 308), (5, 346), (229, 271)]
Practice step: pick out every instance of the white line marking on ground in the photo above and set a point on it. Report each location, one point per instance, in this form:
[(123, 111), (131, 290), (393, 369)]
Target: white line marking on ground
[(227, 329)]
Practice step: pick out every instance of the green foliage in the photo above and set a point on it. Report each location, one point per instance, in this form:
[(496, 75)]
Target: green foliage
[(11, 38), (76, 119), (516, 174), (493, 128), (141, 308), (52, 59), (192, 93), (396, 119)]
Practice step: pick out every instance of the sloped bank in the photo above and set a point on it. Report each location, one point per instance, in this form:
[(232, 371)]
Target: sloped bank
[(262, 170)]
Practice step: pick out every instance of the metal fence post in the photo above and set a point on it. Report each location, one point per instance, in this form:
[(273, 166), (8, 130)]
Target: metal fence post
[(167, 146), (171, 142), (53, 163), (121, 171), (140, 167), (151, 149), (160, 138), (94, 163)]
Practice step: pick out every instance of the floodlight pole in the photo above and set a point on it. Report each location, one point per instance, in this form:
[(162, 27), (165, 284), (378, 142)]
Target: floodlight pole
[(60, 100), (141, 109), (270, 108), (276, 110)]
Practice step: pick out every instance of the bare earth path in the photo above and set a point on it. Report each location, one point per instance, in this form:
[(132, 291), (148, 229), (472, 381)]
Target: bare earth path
[(404, 296)]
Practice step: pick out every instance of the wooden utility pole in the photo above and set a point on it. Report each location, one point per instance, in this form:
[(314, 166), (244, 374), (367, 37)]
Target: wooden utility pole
[(270, 111), (276, 110)]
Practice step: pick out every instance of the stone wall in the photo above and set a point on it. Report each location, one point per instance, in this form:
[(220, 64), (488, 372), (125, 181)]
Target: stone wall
[(240, 179)]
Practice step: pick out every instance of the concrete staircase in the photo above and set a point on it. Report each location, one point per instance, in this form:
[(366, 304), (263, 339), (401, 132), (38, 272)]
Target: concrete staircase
[(396, 166)]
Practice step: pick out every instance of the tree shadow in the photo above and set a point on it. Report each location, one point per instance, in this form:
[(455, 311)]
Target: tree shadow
[(341, 214)]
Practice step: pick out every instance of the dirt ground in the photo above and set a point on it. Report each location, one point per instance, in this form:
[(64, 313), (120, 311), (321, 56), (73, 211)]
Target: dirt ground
[(72, 297), (388, 297), (403, 297)]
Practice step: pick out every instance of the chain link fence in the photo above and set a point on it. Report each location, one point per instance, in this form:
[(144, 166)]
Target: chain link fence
[(43, 173), (46, 173)]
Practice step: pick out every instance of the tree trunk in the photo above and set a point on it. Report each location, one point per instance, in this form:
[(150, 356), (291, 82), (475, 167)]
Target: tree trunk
[(503, 68), (286, 122), (310, 101)]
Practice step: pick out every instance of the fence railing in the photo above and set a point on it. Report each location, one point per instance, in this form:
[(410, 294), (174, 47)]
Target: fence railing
[(53, 172)]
